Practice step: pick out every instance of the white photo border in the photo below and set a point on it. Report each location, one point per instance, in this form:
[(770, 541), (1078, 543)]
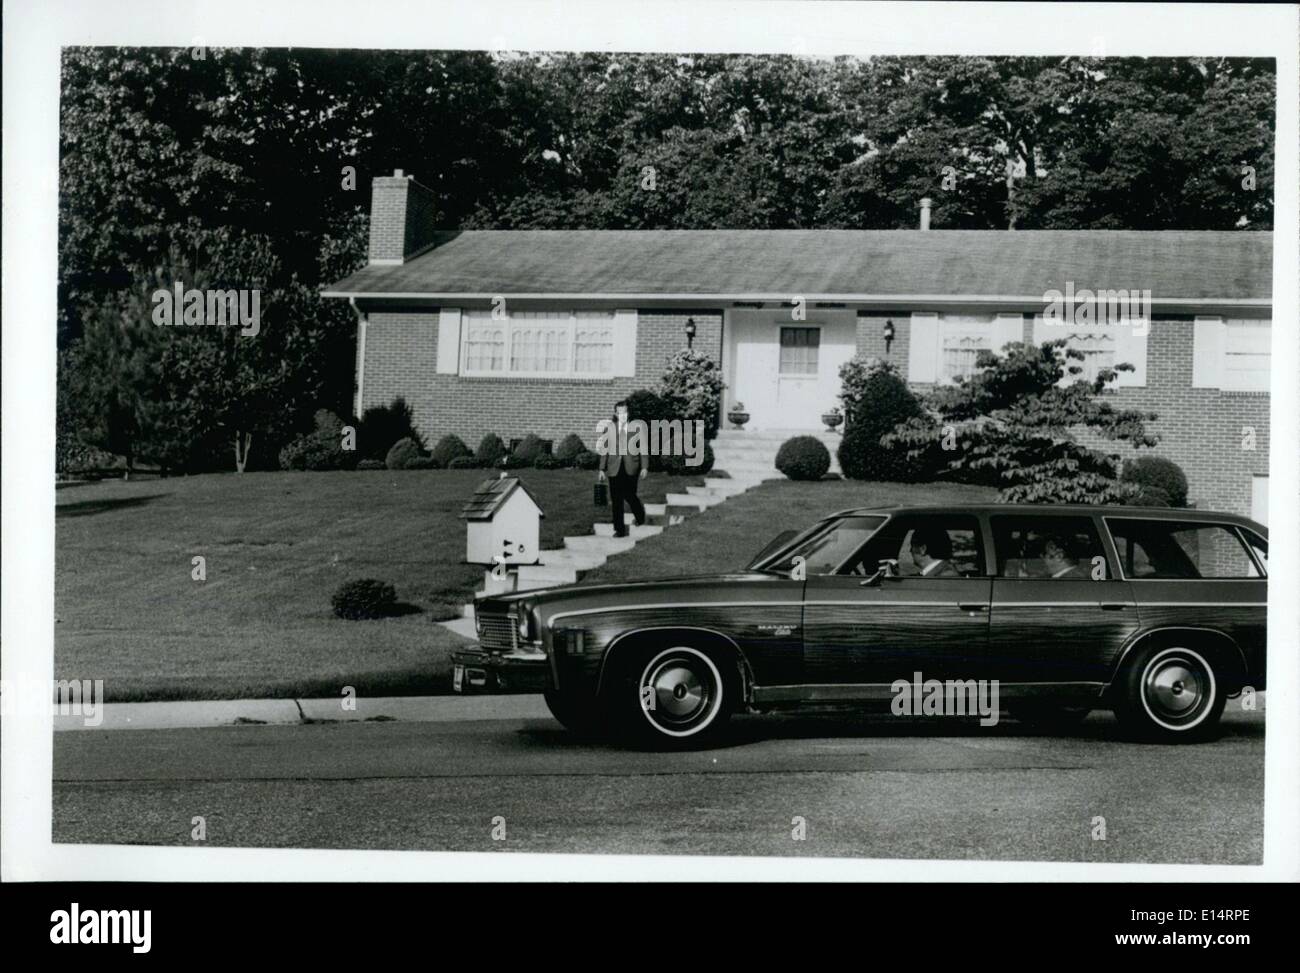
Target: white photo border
[(36, 30)]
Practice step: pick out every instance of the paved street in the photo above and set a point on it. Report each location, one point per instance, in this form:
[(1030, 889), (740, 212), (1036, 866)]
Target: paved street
[(865, 786)]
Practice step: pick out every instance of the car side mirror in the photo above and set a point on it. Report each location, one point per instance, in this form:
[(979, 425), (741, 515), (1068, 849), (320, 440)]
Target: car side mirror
[(888, 569)]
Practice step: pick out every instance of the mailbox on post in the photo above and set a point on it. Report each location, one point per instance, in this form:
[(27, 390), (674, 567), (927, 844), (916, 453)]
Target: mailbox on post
[(503, 523)]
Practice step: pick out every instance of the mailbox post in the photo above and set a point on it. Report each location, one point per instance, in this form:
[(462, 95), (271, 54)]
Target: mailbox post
[(503, 523)]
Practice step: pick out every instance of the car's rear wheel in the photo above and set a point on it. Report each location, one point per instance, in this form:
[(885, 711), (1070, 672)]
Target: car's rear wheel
[(1171, 694), (575, 714), (672, 698)]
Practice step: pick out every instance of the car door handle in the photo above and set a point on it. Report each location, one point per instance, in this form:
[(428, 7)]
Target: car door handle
[(972, 606), (1113, 606)]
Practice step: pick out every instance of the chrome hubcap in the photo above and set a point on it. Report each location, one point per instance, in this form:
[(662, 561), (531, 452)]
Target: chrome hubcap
[(1175, 687), (678, 690)]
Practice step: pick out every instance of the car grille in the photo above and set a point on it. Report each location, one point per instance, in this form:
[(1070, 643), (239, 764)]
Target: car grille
[(498, 633)]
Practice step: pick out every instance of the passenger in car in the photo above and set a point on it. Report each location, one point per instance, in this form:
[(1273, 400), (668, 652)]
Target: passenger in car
[(1060, 559), (931, 550)]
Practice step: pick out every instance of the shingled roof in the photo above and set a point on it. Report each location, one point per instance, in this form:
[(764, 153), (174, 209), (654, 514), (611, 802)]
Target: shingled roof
[(491, 495), (826, 264)]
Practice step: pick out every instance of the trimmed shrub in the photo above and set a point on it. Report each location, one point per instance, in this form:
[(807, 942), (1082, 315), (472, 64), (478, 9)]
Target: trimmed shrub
[(548, 462), (648, 406), (571, 446), (803, 458), (677, 465), (1160, 479), (692, 385), (448, 448), (587, 460), (491, 450), (402, 453), (424, 463), (876, 399), (364, 598), (463, 463), (321, 449), (383, 425), (528, 449), (371, 464)]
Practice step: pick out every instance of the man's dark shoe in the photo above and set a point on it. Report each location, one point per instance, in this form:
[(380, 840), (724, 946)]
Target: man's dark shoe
[(620, 533)]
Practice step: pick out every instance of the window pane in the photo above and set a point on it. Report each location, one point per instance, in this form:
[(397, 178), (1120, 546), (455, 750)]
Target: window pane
[(963, 339), (826, 549), (925, 547), (594, 342), (1170, 549), (485, 342), (799, 350), (1098, 351), (1047, 548), (1246, 355), (539, 341)]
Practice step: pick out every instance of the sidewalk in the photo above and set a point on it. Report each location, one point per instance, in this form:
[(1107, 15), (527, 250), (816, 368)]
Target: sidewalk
[(228, 712)]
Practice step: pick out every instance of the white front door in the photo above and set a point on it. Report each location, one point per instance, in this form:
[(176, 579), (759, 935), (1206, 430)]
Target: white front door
[(787, 372)]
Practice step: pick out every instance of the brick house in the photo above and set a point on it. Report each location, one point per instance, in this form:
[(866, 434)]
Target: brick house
[(585, 317)]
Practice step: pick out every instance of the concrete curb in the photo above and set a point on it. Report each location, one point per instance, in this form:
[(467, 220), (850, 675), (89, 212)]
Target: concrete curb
[(272, 712)]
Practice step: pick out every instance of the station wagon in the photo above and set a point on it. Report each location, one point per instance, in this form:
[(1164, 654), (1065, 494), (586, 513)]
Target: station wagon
[(1157, 614)]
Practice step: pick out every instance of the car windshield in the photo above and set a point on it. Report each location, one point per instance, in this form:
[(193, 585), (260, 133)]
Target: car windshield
[(825, 545)]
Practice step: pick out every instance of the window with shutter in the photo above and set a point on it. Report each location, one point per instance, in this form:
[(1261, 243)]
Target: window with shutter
[(539, 344)]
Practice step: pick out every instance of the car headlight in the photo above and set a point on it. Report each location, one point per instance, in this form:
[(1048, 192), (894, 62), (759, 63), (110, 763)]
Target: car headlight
[(525, 623)]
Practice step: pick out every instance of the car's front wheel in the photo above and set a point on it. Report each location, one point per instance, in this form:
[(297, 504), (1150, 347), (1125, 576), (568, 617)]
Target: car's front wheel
[(672, 697), (1170, 694)]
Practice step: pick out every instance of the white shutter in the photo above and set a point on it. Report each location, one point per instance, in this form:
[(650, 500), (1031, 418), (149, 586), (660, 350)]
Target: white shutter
[(923, 348), (1207, 352), (625, 342), (1045, 331), (1006, 328), (1131, 347), (449, 341)]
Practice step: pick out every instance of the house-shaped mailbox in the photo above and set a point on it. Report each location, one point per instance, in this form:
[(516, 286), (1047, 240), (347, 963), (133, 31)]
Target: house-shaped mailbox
[(503, 520)]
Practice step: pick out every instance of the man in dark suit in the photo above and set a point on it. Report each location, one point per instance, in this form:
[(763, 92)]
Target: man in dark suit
[(623, 466)]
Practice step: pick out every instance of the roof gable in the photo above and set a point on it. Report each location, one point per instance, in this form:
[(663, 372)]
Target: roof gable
[(491, 496)]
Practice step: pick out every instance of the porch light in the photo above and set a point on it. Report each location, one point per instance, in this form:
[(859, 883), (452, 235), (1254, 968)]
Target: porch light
[(889, 334), (690, 332)]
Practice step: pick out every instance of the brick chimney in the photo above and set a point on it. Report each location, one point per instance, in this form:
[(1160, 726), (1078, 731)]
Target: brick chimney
[(925, 213), (402, 218)]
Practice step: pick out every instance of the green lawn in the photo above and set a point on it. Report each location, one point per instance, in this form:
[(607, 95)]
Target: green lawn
[(726, 537), (277, 546)]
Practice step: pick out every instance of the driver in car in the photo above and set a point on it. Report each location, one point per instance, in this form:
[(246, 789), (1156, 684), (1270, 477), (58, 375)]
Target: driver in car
[(931, 550)]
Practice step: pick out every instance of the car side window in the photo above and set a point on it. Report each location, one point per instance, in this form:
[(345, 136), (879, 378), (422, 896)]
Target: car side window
[(1047, 548), (1170, 549), (825, 549), (1259, 546), (938, 546)]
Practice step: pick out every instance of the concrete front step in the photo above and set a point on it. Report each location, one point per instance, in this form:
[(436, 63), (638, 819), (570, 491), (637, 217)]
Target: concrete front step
[(689, 500), (577, 560), (539, 575), (596, 544), (714, 492), (753, 471), (635, 532)]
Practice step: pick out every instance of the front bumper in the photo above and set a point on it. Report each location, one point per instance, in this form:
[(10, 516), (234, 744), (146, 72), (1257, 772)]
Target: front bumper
[(521, 671)]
